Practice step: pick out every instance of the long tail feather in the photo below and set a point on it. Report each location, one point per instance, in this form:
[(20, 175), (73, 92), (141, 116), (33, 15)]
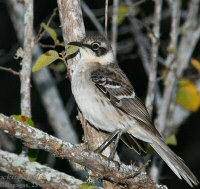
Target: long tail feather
[(174, 162)]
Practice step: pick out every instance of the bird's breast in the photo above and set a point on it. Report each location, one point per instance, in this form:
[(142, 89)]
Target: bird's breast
[(96, 108)]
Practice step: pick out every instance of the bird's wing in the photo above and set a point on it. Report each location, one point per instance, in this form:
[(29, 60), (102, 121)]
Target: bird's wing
[(114, 84)]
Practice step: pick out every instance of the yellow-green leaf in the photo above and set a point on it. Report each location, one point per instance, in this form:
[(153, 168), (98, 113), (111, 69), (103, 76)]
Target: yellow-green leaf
[(61, 44), (196, 64), (45, 59), (171, 50), (87, 185), (24, 119), (171, 140), (52, 33), (33, 154), (122, 12), (71, 50), (188, 95)]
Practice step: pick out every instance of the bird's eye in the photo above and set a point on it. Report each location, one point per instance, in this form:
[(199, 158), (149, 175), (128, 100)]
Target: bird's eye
[(95, 46)]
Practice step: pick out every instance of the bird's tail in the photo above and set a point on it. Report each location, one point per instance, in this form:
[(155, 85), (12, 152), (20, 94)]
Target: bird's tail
[(174, 162)]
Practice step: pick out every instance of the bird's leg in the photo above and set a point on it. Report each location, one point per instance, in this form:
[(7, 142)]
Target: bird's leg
[(113, 150), (107, 141)]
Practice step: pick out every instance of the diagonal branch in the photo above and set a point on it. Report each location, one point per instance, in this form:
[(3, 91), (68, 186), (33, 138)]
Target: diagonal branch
[(35, 138), (36, 173), (92, 17)]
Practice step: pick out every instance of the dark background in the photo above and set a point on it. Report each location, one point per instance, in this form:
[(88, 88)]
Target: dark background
[(188, 135)]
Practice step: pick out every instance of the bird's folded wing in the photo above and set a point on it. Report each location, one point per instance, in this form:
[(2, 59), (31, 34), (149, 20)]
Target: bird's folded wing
[(113, 83)]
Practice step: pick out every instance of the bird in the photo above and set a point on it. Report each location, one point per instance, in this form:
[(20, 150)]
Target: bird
[(107, 99)]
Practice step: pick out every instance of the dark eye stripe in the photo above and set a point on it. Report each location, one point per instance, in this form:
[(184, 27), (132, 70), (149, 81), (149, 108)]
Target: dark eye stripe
[(101, 51)]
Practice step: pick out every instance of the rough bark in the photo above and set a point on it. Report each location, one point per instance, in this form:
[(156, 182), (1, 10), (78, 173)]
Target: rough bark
[(36, 173), (34, 138)]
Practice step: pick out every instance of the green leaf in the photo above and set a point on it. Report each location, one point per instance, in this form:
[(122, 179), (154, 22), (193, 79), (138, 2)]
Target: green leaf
[(87, 185), (188, 95), (52, 33), (171, 140), (71, 50), (171, 50), (24, 119), (33, 154), (122, 13), (62, 44), (45, 59)]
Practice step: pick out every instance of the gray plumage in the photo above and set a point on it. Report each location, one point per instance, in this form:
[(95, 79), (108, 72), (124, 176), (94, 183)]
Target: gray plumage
[(108, 101)]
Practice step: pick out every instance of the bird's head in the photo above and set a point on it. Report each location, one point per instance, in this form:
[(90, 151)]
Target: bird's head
[(95, 48)]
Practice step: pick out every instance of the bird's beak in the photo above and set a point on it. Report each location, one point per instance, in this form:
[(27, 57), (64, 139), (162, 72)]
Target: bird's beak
[(75, 43), (72, 49)]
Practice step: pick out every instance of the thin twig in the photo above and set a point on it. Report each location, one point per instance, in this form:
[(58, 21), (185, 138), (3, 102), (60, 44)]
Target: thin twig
[(154, 55), (175, 7), (25, 72), (190, 36), (106, 19), (41, 31), (115, 26), (172, 48), (142, 43), (92, 17), (143, 47), (46, 45), (9, 70)]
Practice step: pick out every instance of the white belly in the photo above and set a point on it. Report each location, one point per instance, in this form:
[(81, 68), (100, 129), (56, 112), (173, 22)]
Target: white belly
[(101, 115)]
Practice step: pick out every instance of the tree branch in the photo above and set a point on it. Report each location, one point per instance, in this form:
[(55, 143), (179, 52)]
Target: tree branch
[(72, 25), (25, 73), (115, 26), (35, 138), (175, 14), (92, 17), (36, 173), (106, 18), (154, 56), (9, 70)]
